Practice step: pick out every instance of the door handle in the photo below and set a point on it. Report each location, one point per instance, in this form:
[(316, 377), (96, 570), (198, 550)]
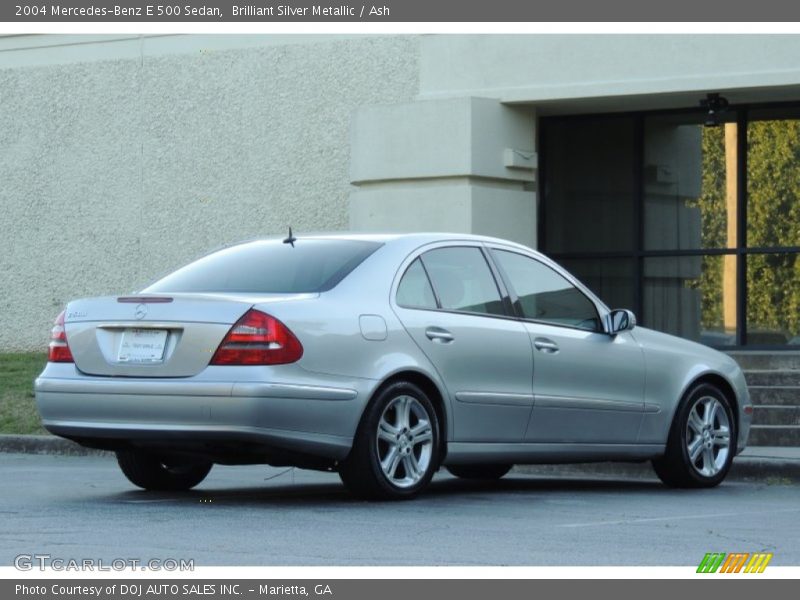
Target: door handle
[(545, 345), (439, 335)]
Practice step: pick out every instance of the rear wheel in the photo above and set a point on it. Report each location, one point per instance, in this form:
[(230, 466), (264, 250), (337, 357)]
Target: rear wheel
[(479, 471), (701, 441), (161, 473), (395, 452)]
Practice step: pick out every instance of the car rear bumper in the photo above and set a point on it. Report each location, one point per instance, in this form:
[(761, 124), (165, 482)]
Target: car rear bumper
[(314, 420)]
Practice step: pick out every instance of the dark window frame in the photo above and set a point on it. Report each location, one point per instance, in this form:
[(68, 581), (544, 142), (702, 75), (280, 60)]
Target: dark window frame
[(639, 253)]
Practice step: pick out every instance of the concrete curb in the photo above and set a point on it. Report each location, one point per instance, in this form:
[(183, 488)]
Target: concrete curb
[(745, 468), (44, 444)]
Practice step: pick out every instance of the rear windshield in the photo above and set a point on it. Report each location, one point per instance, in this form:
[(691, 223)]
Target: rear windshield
[(267, 267)]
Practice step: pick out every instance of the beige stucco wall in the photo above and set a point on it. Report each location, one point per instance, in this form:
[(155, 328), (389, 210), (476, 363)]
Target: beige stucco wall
[(445, 165), (122, 159), (441, 162), (567, 73)]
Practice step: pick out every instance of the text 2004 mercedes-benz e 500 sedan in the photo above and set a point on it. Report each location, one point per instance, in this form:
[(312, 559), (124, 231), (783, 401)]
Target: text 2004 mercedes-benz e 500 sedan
[(384, 357)]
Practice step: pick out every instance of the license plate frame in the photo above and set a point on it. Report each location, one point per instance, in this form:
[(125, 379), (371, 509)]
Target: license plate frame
[(141, 346)]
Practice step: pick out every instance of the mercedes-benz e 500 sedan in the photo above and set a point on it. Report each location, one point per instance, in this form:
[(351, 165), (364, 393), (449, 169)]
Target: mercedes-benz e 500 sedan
[(384, 357)]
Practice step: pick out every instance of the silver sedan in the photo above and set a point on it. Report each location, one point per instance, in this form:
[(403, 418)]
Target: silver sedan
[(384, 357)]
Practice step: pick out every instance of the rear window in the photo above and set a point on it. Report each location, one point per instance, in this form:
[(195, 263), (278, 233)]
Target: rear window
[(267, 267)]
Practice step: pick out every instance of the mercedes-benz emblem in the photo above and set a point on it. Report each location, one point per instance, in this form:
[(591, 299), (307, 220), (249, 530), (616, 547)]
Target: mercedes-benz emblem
[(141, 312)]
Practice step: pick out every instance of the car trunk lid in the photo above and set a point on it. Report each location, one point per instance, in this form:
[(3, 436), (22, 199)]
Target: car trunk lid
[(154, 335)]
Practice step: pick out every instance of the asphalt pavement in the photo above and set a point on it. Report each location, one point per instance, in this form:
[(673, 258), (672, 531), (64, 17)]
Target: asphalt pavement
[(82, 507)]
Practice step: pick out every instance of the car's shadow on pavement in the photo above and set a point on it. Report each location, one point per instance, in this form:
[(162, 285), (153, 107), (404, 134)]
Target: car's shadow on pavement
[(541, 484), (334, 493)]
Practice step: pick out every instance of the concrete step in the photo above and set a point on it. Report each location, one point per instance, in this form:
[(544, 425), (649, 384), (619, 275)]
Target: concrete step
[(767, 394), (774, 435), (770, 414), (773, 380), (772, 377), (765, 360)]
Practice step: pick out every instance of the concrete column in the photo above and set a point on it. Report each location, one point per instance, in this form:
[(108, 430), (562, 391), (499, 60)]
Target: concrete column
[(457, 165)]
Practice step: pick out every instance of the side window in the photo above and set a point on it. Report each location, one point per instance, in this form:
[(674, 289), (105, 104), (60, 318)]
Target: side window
[(415, 290), (544, 295), (463, 280)]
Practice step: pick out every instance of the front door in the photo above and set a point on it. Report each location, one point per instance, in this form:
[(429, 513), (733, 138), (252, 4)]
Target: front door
[(588, 386)]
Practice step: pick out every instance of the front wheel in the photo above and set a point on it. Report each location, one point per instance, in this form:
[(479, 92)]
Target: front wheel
[(161, 473), (701, 441), (395, 452)]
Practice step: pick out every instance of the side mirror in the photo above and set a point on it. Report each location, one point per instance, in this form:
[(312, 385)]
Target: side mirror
[(620, 320)]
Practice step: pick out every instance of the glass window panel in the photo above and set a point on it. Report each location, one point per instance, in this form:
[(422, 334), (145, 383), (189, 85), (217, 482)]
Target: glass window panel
[(773, 181), (773, 299), (689, 183), (692, 297), (689, 201), (463, 280), (270, 267), (589, 184), (612, 279), (415, 290), (544, 295)]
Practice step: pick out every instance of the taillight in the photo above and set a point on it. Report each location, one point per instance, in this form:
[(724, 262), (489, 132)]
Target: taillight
[(58, 350), (258, 339)]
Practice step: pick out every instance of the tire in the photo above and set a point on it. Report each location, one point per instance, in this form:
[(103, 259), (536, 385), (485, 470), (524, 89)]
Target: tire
[(161, 473), (701, 442), (396, 449), (479, 471)]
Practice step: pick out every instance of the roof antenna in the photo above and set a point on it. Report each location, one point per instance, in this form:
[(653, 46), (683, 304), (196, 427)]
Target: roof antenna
[(291, 239)]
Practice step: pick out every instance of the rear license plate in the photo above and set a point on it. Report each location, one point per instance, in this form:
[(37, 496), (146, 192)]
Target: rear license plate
[(142, 346)]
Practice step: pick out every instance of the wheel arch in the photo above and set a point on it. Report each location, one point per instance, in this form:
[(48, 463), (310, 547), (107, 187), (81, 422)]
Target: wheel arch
[(724, 386), (434, 393)]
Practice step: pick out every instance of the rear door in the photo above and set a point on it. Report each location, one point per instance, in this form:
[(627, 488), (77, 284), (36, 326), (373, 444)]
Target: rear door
[(449, 302), (588, 385)]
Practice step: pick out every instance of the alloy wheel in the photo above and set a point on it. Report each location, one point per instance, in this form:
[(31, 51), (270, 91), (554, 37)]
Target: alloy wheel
[(404, 443), (708, 436)]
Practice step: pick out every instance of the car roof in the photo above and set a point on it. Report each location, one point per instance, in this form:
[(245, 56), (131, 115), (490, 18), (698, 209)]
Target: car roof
[(388, 237)]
